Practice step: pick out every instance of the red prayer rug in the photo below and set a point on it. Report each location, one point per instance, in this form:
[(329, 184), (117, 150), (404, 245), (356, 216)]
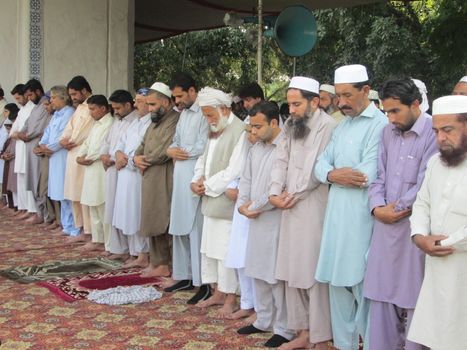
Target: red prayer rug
[(78, 287)]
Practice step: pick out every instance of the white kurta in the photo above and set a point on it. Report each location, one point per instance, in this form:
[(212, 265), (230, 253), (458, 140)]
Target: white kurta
[(3, 138), (127, 207), (441, 208), (20, 148), (238, 238), (109, 147), (216, 232)]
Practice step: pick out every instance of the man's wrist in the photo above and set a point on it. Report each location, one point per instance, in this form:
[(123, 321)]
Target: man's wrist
[(328, 179)]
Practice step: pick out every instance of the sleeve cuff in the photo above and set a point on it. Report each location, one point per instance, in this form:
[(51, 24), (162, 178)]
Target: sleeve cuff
[(275, 189)]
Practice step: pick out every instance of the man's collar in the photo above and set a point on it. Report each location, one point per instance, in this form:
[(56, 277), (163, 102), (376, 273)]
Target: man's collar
[(417, 128)]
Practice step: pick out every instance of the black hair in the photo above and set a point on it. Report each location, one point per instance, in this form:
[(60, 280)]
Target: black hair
[(403, 90), (18, 89), (79, 83), (2, 93), (306, 94), (462, 117), (98, 100), (13, 109), (121, 96), (33, 85), (251, 90), (284, 109), (269, 109), (360, 84), (183, 80)]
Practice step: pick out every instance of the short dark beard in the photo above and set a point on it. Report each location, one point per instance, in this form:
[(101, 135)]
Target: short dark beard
[(454, 156)]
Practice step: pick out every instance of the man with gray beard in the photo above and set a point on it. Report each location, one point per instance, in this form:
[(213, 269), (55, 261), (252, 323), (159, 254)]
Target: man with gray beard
[(439, 229), (302, 198)]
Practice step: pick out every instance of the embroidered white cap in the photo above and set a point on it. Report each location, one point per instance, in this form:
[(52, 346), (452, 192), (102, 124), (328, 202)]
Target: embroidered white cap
[(162, 88), (353, 73), (453, 104), (328, 88), (304, 83), (463, 79)]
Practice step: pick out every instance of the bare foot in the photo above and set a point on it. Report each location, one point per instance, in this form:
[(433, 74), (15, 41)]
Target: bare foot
[(76, 239), (321, 346), (52, 227), (118, 257), (251, 319), (158, 271), (35, 220), (24, 216), (91, 246), (300, 342), (168, 282), (217, 298), (229, 306), (106, 253), (241, 313), (141, 261), (18, 213)]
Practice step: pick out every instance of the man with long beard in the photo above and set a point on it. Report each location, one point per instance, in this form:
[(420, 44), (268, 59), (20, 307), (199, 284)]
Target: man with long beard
[(302, 198), (439, 228), (219, 165), (156, 168)]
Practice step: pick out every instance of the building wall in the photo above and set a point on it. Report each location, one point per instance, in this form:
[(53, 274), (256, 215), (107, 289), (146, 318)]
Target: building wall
[(93, 38), (14, 44), (90, 38)]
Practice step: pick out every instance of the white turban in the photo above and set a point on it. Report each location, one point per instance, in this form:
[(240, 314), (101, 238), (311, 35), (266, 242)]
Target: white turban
[(425, 105), (213, 97)]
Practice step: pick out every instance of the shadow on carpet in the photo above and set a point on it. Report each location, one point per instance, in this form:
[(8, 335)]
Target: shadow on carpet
[(58, 269), (77, 288)]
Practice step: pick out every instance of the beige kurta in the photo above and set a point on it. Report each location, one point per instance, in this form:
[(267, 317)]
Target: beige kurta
[(441, 208), (76, 130), (156, 188), (301, 226), (93, 193)]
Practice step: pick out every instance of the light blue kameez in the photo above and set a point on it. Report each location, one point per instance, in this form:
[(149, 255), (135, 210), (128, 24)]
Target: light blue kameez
[(348, 223), (186, 219), (57, 165)]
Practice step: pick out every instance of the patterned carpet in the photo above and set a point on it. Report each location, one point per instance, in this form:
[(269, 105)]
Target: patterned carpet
[(33, 318)]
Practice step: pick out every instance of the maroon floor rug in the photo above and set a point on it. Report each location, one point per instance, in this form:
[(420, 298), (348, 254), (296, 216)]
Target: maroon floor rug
[(78, 287)]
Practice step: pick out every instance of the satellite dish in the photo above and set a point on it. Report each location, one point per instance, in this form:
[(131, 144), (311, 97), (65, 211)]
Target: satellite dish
[(295, 31)]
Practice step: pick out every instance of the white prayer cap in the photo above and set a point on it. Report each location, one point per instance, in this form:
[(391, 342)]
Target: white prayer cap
[(373, 95), (463, 79), (213, 97), (425, 105), (8, 122), (353, 73), (162, 88), (328, 88), (454, 104), (305, 84)]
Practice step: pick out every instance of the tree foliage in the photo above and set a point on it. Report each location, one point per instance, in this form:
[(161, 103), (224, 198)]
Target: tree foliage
[(421, 39)]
